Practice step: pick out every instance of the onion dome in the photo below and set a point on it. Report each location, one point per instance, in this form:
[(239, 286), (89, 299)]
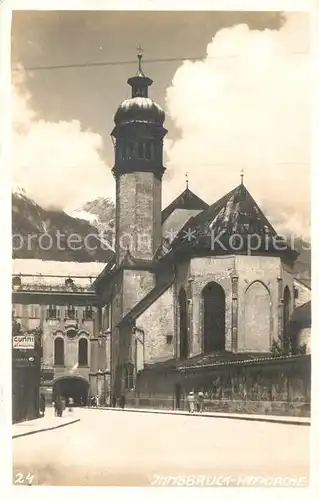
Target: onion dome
[(139, 107)]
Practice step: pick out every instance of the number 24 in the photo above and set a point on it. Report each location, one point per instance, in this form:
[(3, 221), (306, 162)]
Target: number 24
[(21, 479)]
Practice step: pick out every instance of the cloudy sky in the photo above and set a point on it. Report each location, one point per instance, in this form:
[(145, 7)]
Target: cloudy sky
[(236, 92)]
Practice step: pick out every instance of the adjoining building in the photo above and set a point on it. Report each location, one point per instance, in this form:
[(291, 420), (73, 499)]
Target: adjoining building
[(75, 360)]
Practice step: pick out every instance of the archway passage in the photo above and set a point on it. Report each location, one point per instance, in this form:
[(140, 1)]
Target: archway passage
[(214, 317), (71, 387)]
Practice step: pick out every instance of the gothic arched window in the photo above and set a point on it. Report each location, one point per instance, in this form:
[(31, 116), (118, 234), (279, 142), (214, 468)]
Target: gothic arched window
[(83, 352), (214, 317), (183, 330), (287, 301), (129, 376), (59, 351)]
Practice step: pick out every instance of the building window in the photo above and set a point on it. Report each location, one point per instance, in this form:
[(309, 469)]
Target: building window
[(59, 352), (149, 151), (214, 317), (16, 281), (83, 352), (71, 333), (88, 313), (141, 150), (70, 313), (53, 312), (183, 333)]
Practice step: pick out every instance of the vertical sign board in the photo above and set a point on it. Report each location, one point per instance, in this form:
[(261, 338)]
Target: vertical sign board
[(23, 342)]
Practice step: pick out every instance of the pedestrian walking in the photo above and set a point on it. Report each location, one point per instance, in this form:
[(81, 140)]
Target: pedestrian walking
[(58, 407), (70, 405), (200, 402), (97, 399), (122, 401), (42, 405), (114, 401), (191, 402)]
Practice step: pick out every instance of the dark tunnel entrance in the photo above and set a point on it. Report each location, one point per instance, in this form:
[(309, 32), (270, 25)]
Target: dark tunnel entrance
[(72, 387)]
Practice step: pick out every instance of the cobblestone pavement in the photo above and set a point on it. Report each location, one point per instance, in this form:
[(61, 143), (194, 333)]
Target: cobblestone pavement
[(129, 448)]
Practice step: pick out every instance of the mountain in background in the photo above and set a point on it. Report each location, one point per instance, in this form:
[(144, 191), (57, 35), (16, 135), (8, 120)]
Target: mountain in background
[(53, 235), (95, 216)]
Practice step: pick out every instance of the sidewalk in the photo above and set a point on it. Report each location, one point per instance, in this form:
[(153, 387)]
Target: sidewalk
[(235, 416), (46, 423)]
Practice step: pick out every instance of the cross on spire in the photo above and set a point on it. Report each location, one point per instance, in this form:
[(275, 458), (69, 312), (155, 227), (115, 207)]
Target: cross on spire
[(186, 179), (242, 176), (139, 56)]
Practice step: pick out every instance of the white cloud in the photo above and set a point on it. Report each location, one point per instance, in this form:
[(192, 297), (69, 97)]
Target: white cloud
[(247, 105), (57, 163)]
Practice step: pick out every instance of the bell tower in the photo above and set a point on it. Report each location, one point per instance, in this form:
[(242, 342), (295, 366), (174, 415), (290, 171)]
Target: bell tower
[(138, 137)]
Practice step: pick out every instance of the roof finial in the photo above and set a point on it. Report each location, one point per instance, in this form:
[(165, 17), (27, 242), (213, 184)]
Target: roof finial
[(242, 176), (139, 56), (186, 178)]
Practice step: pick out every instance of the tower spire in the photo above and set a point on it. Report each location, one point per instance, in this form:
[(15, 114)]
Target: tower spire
[(242, 176), (139, 56), (186, 179), (139, 82)]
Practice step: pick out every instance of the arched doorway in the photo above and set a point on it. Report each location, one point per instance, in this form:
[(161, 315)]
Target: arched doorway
[(214, 317), (183, 333), (286, 316), (71, 387)]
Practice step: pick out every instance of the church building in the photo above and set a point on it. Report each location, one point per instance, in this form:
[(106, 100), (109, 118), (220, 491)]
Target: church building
[(194, 297), (193, 284)]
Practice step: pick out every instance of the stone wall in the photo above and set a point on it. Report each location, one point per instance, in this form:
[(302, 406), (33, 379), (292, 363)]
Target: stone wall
[(258, 301), (138, 215), (157, 322), (274, 386)]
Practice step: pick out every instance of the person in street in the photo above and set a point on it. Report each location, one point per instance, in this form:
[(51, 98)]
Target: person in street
[(42, 405), (191, 402), (122, 401), (58, 407), (114, 401), (70, 404), (97, 399), (200, 402)]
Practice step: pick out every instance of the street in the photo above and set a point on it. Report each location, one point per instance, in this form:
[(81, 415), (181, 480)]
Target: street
[(127, 448)]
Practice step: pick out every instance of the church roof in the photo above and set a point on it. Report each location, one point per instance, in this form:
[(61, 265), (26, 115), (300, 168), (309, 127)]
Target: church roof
[(186, 200), (236, 213)]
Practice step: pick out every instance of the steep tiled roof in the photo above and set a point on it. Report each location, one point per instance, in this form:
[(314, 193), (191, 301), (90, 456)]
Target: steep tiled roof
[(186, 200), (236, 213)]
